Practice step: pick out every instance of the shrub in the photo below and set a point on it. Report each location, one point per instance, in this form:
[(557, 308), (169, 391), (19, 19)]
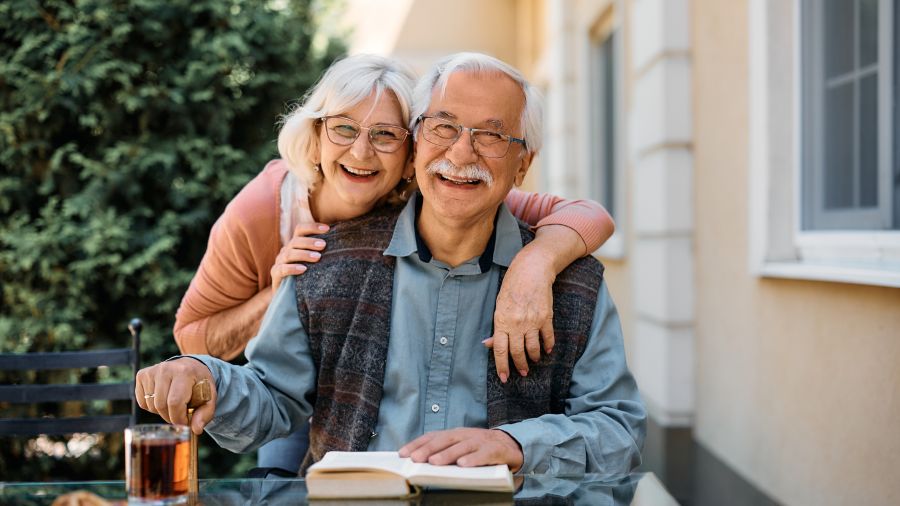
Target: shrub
[(125, 128)]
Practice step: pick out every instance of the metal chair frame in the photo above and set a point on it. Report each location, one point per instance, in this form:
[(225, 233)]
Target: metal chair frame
[(33, 394)]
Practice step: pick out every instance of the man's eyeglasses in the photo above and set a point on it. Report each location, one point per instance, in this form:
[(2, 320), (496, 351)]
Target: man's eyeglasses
[(344, 131), (487, 143)]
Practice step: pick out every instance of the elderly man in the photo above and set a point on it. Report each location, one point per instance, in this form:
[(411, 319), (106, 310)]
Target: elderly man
[(381, 343)]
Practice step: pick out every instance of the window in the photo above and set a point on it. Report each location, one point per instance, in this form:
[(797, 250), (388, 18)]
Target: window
[(849, 179), (824, 188), (605, 141)]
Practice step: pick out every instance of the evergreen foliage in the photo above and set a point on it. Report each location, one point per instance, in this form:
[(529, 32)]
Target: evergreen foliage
[(125, 128)]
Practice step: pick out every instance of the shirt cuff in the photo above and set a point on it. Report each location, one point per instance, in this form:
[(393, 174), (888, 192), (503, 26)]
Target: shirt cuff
[(211, 363), (541, 454)]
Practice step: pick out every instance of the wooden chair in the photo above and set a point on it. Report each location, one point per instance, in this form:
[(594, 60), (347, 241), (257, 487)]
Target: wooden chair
[(47, 393)]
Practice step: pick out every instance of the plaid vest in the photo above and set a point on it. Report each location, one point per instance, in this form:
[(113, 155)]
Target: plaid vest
[(345, 306)]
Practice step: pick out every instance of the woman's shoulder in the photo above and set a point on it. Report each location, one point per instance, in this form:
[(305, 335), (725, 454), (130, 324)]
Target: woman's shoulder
[(260, 196), (252, 217)]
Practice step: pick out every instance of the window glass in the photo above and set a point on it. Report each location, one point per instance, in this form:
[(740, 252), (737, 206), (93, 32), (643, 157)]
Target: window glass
[(838, 37), (847, 183), (839, 147), (868, 141), (608, 64), (868, 34)]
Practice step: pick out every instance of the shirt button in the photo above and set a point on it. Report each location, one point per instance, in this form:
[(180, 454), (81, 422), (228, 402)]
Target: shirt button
[(435, 408), (444, 340)]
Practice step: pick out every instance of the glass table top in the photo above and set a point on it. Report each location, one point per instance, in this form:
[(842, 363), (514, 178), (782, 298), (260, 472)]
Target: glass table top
[(635, 489)]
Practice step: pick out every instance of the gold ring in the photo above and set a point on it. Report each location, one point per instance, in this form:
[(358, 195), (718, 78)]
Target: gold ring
[(149, 396)]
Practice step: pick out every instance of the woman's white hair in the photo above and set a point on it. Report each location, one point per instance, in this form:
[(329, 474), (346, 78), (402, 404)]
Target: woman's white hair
[(439, 74), (344, 85)]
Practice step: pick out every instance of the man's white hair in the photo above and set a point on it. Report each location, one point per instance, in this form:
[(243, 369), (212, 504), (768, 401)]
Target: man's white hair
[(439, 74), (345, 84)]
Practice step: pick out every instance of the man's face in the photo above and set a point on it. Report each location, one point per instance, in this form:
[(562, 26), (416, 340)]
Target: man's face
[(456, 181)]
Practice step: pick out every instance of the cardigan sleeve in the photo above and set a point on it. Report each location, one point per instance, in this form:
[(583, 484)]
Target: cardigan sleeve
[(240, 253), (587, 218)]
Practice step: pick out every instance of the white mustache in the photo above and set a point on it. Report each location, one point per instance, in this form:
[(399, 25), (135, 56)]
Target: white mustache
[(470, 172)]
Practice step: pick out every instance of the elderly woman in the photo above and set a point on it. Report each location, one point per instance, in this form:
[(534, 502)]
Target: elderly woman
[(345, 151)]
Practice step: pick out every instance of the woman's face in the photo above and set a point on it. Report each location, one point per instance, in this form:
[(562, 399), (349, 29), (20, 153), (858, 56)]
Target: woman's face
[(356, 176)]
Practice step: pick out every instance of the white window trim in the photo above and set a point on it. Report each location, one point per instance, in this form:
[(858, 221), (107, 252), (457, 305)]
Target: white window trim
[(782, 250)]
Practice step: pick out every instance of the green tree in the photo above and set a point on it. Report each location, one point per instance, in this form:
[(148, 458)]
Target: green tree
[(125, 128)]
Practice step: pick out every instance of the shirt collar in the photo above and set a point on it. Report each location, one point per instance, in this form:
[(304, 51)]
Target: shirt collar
[(504, 244)]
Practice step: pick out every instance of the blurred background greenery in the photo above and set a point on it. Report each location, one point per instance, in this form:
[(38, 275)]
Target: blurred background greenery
[(125, 128)]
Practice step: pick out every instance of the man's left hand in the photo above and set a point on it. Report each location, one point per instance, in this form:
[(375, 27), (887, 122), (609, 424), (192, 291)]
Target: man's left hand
[(466, 447)]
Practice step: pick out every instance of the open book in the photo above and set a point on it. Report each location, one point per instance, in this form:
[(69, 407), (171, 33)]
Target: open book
[(386, 474)]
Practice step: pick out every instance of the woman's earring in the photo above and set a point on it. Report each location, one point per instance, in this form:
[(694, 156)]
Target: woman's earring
[(409, 181), (317, 168)]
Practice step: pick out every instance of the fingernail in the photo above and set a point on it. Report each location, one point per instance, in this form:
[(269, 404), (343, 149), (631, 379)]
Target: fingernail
[(523, 372), (484, 341), (503, 377), (549, 350), (323, 227), (319, 243), (301, 268), (315, 254)]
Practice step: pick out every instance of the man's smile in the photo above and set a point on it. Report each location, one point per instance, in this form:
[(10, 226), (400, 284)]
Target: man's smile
[(456, 181)]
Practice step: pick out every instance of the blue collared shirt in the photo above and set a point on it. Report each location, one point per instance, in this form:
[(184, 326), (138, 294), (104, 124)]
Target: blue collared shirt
[(436, 366)]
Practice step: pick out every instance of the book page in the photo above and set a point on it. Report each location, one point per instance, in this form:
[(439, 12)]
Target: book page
[(484, 473), (350, 461), (485, 478)]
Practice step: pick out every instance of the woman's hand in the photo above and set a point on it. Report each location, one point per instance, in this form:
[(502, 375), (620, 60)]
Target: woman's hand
[(524, 314), (300, 249)]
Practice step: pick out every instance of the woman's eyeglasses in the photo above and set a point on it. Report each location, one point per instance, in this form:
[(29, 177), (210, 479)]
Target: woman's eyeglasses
[(344, 131)]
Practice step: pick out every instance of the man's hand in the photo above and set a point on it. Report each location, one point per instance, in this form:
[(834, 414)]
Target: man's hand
[(165, 389), (466, 447)]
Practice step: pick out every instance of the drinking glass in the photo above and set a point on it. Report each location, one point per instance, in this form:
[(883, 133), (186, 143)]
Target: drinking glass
[(157, 457)]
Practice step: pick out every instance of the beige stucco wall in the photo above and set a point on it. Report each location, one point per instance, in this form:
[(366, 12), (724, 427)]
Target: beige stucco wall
[(798, 383), (421, 31)]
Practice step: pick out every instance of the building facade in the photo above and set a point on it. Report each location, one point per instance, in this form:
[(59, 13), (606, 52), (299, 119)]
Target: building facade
[(748, 152)]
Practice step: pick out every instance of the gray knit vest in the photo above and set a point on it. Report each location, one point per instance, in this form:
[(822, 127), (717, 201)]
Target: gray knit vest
[(344, 304)]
